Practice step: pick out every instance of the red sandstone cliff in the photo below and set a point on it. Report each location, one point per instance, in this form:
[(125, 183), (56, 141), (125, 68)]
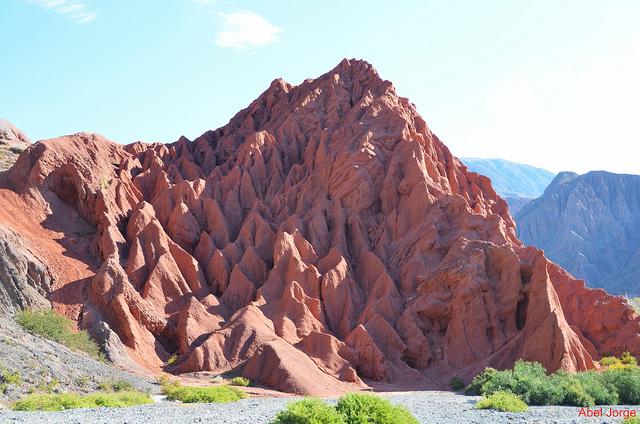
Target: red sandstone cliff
[(323, 237)]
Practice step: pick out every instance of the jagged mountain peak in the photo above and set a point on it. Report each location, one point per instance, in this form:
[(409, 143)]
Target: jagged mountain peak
[(325, 239)]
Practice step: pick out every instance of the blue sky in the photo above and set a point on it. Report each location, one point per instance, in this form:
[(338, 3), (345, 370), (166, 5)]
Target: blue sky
[(551, 83)]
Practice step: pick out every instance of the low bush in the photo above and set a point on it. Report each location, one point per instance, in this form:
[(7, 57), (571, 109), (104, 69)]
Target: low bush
[(575, 394), (63, 401), (607, 361), (360, 408), (628, 359), (53, 326), (502, 401), (309, 411), (354, 408), (456, 384), (240, 381), (204, 394), (602, 391), (475, 387), (626, 383)]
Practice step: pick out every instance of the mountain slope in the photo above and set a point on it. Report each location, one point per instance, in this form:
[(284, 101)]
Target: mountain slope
[(517, 183), (590, 225), (321, 241), (12, 143)]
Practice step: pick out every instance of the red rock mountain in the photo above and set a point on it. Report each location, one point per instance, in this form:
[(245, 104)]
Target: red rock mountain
[(322, 240)]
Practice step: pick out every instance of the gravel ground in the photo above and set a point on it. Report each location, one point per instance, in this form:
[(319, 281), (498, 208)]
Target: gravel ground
[(428, 407)]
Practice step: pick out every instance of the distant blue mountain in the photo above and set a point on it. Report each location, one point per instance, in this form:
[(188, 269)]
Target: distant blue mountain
[(590, 225), (517, 183)]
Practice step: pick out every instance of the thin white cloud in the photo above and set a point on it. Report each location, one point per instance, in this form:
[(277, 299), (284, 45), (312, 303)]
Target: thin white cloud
[(245, 29), (75, 10)]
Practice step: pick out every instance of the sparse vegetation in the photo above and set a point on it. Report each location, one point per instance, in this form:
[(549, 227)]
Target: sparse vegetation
[(57, 327), (354, 408), (116, 386), (240, 381), (618, 383), (63, 401), (204, 394), (502, 401), (45, 386), (7, 378)]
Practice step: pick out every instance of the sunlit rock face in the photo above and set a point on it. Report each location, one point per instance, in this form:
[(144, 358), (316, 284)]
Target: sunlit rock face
[(321, 241)]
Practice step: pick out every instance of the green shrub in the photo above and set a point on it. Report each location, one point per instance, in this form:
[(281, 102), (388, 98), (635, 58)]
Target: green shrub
[(607, 361), (240, 381), (628, 359), (204, 394), (62, 401), (602, 391), (474, 388), (173, 359), (456, 384), (502, 401), (575, 394), (54, 326), (627, 384), (619, 383), (358, 408), (116, 386), (16, 149), (309, 411), (632, 420)]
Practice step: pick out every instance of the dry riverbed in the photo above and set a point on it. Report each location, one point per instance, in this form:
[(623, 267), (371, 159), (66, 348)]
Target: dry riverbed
[(428, 407)]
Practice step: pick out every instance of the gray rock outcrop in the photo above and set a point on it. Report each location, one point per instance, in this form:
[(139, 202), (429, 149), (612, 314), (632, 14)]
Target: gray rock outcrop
[(24, 280)]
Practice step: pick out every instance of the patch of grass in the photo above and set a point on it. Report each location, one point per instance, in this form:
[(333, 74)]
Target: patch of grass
[(205, 394), (45, 387), (63, 401), (359, 408), (240, 381), (502, 401), (309, 411), (116, 386), (54, 326), (456, 384), (16, 149), (10, 377)]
